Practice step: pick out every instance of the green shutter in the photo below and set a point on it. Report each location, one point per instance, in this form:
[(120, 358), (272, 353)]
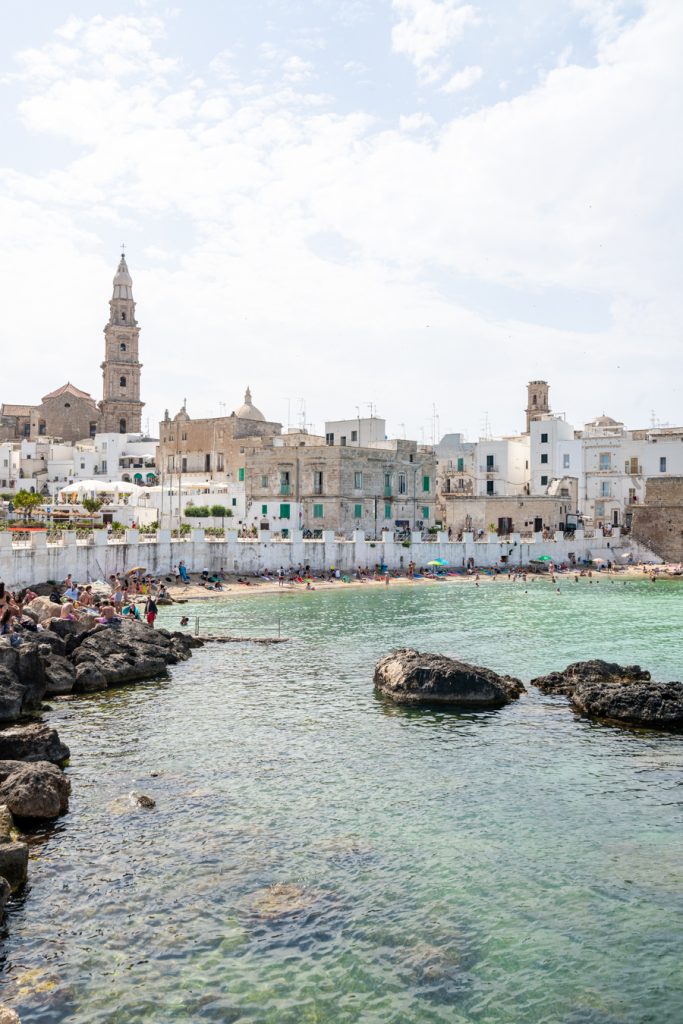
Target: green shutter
[(425, 512), (358, 511), (241, 473), (425, 483), (317, 511), (284, 511), (264, 510), (461, 465), (387, 511)]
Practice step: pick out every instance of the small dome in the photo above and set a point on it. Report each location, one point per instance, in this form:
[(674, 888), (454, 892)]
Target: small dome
[(249, 411), (603, 421)]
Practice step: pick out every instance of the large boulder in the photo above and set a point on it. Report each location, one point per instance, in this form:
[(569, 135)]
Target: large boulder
[(22, 678), (34, 742), (409, 677), (60, 675), (644, 703), (126, 653), (43, 609), (11, 695), (565, 682), (36, 789)]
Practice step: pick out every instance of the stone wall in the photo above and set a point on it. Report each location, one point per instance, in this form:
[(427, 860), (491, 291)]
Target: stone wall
[(658, 523), (35, 561)]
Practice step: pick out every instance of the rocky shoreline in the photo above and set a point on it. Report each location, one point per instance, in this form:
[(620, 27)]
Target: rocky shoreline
[(63, 658)]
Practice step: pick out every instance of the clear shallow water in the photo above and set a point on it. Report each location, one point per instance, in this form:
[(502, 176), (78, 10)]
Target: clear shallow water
[(511, 867)]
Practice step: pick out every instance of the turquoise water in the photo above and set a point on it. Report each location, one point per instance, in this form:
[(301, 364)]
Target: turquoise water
[(521, 866)]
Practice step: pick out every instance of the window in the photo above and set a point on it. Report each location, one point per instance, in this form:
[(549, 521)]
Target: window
[(489, 486), (317, 481), (425, 484), (489, 463), (103, 465), (357, 511), (544, 458), (566, 461), (599, 508), (317, 511), (122, 426), (402, 488), (342, 441), (207, 462), (240, 474), (219, 462), (387, 511), (264, 510), (605, 460), (183, 464), (631, 495), (354, 435), (284, 481), (425, 512), (122, 346), (329, 438), (123, 317), (662, 465), (387, 485), (122, 382), (264, 480), (170, 464), (234, 502), (604, 489), (544, 481), (460, 465), (183, 435), (357, 481), (533, 400), (544, 438), (284, 511)]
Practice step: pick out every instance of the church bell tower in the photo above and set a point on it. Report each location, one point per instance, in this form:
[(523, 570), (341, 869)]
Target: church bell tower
[(121, 406)]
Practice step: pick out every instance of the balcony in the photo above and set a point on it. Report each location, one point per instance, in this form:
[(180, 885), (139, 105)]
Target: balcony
[(285, 490), (489, 469)]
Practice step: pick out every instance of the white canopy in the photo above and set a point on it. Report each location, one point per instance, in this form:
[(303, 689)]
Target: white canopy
[(91, 488)]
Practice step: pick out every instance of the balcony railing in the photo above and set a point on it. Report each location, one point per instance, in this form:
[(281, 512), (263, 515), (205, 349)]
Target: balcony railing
[(489, 469)]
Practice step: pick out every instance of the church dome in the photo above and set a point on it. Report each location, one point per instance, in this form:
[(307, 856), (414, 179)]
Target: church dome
[(249, 411), (603, 421)]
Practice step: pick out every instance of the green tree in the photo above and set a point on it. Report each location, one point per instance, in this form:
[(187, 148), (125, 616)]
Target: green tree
[(28, 502), (92, 505)]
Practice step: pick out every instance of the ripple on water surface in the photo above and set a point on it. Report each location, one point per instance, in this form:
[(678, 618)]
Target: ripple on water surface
[(318, 855)]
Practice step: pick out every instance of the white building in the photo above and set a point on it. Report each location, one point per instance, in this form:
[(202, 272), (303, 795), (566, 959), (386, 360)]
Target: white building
[(359, 432)]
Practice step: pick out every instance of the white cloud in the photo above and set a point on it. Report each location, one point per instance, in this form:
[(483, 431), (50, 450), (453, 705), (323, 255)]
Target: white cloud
[(428, 27), (463, 80), (217, 187)]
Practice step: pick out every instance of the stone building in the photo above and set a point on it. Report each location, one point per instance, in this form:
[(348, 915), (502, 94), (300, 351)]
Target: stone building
[(212, 448), (70, 414), (524, 514), (299, 481), (658, 521)]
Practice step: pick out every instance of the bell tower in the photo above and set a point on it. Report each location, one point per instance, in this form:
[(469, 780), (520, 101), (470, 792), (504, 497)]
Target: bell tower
[(121, 406), (537, 401)]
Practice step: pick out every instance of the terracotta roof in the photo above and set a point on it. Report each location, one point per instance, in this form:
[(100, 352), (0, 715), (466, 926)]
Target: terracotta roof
[(68, 389), (16, 410)]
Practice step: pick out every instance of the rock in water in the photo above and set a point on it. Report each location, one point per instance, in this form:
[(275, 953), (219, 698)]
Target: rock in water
[(624, 694), (14, 863), (142, 800), (5, 893), (650, 704), (8, 1016), (408, 677), (34, 789), (35, 742), (581, 671)]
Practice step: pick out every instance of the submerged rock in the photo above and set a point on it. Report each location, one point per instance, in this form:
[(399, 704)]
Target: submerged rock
[(8, 1016), (408, 677), (142, 800), (5, 893), (281, 900), (35, 789), (582, 671), (34, 742), (618, 693)]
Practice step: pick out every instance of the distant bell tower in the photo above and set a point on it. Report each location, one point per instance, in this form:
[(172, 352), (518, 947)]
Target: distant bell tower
[(121, 406), (537, 401)]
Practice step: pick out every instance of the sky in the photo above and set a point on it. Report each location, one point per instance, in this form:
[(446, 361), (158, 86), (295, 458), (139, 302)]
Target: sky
[(405, 206)]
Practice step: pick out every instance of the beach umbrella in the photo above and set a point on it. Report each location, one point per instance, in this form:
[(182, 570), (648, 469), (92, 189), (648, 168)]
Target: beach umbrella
[(543, 558), (137, 568), (438, 561)]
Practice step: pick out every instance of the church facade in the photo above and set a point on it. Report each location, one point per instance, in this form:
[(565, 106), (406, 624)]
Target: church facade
[(70, 414)]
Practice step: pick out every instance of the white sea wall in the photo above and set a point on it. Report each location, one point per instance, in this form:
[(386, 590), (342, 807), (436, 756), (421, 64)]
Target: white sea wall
[(35, 561)]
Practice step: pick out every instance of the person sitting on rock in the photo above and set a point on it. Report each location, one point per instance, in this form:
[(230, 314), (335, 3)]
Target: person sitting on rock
[(131, 611), (68, 612), (108, 615)]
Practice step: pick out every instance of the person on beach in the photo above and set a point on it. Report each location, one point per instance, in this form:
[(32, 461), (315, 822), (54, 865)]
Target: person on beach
[(151, 611), (184, 621), (68, 612)]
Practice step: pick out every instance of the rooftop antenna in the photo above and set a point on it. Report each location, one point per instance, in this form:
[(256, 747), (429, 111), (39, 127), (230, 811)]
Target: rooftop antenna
[(486, 426), (371, 407), (302, 414), (404, 430)]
